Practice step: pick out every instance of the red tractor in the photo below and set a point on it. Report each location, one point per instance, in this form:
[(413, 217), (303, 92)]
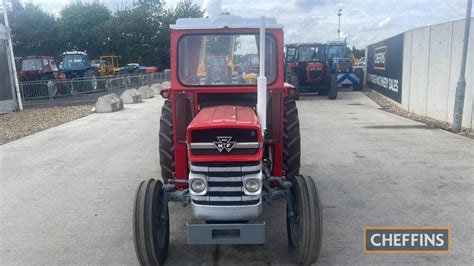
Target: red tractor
[(40, 76), (308, 69), (227, 145)]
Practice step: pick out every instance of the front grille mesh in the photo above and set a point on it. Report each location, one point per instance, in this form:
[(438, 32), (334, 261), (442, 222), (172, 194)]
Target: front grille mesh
[(225, 184)]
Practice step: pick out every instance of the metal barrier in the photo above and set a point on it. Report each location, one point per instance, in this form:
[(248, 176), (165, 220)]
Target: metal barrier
[(79, 90)]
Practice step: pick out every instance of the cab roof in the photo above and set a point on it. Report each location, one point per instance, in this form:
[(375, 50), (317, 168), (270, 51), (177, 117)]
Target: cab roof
[(74, 53), (37, 57), (225, 21)]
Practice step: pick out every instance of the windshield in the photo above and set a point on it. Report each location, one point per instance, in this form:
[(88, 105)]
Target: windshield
[(53, 65), (335, 51), (308, 54), (212, 60), (290, 53), (75, 62), (31, 65)]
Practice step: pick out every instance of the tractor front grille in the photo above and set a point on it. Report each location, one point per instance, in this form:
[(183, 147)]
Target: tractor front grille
[(315, 74), (225, 183), (239, 141)]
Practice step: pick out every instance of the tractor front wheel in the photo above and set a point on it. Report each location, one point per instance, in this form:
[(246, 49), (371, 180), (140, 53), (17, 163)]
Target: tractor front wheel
[(151, 228), (304, 221)]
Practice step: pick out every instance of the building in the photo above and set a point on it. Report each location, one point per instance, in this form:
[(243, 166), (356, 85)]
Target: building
[(8, 101)]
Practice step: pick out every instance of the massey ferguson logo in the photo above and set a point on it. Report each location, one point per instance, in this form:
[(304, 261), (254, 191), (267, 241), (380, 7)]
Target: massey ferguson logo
[(224, 143)]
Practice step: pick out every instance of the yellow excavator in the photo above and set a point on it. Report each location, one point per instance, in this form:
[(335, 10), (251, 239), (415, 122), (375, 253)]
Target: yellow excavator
[(110, 65)]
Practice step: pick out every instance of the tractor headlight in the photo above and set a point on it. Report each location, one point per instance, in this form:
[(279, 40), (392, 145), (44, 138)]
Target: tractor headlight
[(252, 186), (198, 186)]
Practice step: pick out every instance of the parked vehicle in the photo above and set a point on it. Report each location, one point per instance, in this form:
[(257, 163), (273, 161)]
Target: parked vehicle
[(109, 65), (307, 69), (341, 65), (227, 147), (76, 65), (137, 69), (40, 76)]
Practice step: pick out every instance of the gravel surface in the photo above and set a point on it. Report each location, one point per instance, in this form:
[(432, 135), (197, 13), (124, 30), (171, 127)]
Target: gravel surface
[(391, 107), (20, 124)]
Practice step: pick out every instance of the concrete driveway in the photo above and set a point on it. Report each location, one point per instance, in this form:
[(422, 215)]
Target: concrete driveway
[(66, 194)]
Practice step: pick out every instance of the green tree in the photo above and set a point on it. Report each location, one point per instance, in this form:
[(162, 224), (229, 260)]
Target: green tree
[(358, 53), (183, 9), (83, 26), (141, 33), (34, 32)]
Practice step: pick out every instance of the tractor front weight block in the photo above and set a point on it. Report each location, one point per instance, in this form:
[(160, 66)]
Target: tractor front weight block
[(229, 233)]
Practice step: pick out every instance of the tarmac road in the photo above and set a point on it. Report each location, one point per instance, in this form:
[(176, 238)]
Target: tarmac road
[(66, 194)]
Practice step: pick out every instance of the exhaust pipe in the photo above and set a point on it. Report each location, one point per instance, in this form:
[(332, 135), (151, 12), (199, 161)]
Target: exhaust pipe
[(262, 82)]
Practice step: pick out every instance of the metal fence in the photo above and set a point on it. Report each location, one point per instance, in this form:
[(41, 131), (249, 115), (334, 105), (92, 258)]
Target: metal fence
[(82, 90)]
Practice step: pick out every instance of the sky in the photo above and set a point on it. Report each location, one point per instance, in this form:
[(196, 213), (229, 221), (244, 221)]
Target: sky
[(363, 22)]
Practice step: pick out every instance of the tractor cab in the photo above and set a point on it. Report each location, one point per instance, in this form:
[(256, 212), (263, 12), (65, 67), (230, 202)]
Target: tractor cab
[(229, 142), (308, 70), (338, 57), (76, 64), (341, 62), (290, 52)]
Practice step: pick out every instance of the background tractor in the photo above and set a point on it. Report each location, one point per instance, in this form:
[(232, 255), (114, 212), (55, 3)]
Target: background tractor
[(227, 144), (76, 65), (341, 65), (40, 76), (307, 69)]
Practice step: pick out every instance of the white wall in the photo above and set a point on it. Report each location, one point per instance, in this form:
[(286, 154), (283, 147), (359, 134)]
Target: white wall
[(431, 65)]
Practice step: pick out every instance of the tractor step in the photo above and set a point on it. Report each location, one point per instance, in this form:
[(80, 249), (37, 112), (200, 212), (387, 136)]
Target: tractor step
[(219, 234)]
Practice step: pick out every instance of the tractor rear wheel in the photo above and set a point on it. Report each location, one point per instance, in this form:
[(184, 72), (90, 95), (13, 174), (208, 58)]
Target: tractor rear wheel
[(291, 139), (360, 74), (91, 80), (166, 143), (293, 80), (51, 87), (332, 94), (304, 225), (151, 228)]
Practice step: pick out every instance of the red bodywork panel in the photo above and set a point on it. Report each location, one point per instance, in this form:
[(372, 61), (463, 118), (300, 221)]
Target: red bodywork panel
[(225, 116), (192, 93)]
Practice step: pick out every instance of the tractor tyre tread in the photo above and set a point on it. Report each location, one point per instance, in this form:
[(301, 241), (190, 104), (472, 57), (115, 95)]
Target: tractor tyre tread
[(360, 74), (307, 249), (332, 94), (291, 139), (151, 244), (292, 78), (166, 143)]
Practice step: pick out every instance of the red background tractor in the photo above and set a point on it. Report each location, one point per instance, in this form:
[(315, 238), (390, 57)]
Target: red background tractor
[(228, 144), (308, 69)]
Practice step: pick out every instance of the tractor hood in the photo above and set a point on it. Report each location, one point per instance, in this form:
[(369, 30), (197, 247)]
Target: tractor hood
[(227, 116), (225, 133), (341, 60)]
